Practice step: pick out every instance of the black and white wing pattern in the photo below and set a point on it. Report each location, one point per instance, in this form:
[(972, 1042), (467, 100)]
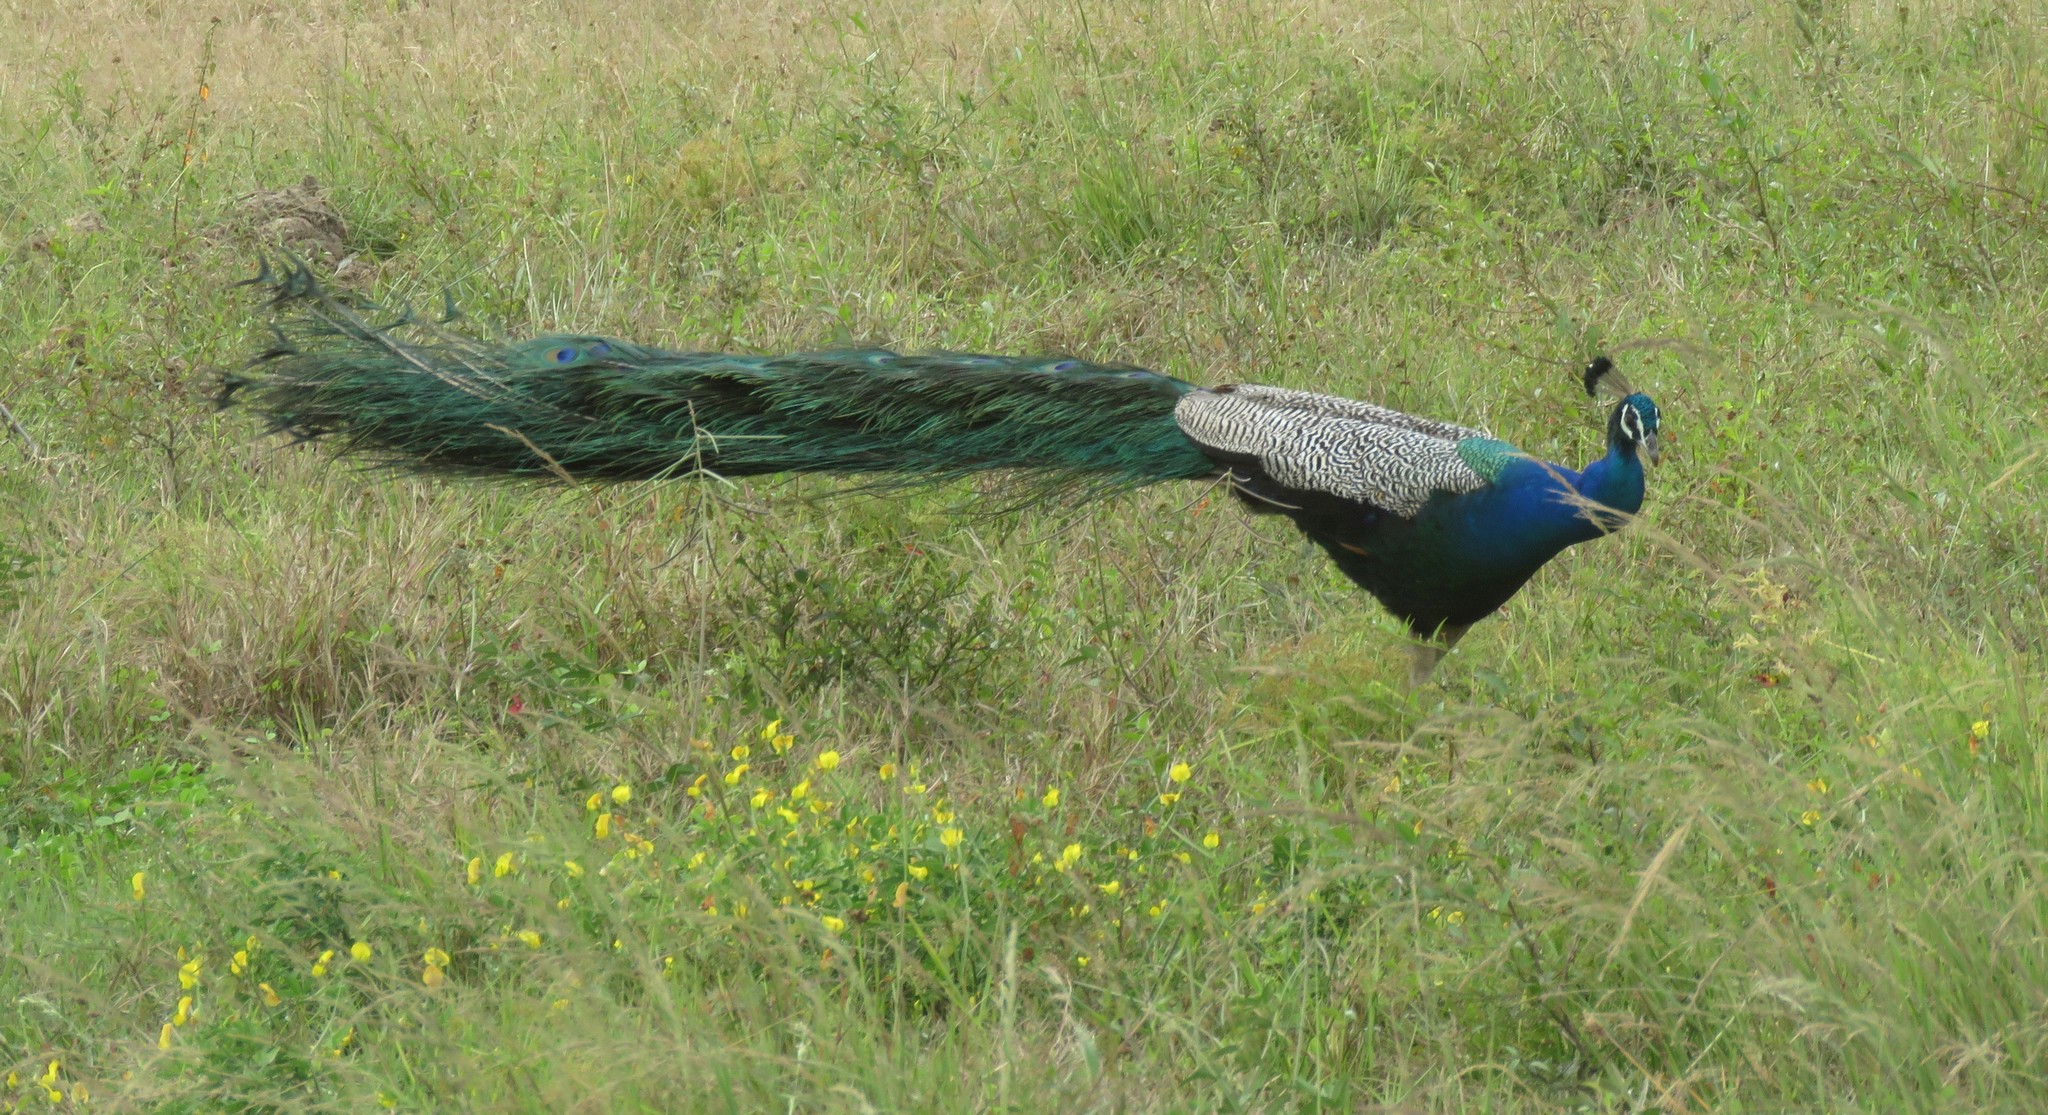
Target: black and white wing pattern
[(1339, 447)]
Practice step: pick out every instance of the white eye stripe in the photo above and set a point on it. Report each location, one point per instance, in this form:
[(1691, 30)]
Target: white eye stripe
[(1632, 423)]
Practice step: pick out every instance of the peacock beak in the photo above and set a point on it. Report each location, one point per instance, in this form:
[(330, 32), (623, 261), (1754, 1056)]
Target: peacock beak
[(1650, 446)]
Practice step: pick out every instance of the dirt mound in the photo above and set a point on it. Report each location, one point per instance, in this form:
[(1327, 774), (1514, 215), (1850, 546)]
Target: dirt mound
[(298, 218)]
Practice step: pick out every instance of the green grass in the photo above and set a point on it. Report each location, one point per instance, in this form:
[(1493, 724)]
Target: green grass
[(1741, 811)]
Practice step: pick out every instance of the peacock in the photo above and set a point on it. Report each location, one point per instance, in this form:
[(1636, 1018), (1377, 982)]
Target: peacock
[(1442, 523)]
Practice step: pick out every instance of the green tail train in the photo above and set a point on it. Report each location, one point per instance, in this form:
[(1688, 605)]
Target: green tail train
[(417, 395)]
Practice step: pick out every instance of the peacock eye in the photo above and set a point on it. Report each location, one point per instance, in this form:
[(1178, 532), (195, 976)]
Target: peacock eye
[(1066, 365), (600, 349), (564, 355)]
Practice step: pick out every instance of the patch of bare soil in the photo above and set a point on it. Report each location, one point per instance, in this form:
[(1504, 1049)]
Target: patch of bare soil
[(299, 219)]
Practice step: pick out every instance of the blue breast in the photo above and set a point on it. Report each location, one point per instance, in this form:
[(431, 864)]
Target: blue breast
[(1463, 556)]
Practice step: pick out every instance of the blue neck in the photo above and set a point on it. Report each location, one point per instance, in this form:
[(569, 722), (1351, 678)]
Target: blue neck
[(1532, 510), (1615, 481)]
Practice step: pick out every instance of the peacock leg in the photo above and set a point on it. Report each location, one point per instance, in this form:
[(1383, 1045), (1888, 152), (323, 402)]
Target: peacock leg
[(1424, 654)]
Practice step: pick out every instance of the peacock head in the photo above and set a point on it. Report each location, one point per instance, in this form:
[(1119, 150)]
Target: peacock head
[(1632, 425)]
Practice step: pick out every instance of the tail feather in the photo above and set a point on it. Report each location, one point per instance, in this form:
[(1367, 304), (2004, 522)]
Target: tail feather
[(425, 397)]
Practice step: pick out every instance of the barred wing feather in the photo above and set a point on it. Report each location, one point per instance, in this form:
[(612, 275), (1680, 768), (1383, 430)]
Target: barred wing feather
[(1335, 406), (1352, 450)]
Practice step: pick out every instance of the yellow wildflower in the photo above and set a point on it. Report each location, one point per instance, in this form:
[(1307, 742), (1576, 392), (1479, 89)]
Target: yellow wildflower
[(238, 963), (604, 826), (135, 884), (1979, 730), (1069, 856), (915, 788), (1818, 785), (49, 1076), (1810, 818), (574, 869), (621, 794), (798, 791), (1168, 798), (188, 974), (740, 752), (832, 923), (886, 771), (769, 732), (1082, 960), (433, 975), (474, 870), (733, 776), (1051, 798), (183, 1014), (320, 965), (942, 815), (1110, 888), (529, 938), (697, 788), (1155, 910), (1211, 840), (696, 861), (1180, 772), (902, 895), (1392, 785), (163, 1037), (360, 951), (828, 760), (950, 838), (436, 957), (594, 802), (788, 814), (782, 742), (919, 871), (760, 798), (270, 997), (506, 865), (1455, 917)]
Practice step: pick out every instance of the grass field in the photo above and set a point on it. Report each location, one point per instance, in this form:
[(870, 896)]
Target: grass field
[(333, 790)]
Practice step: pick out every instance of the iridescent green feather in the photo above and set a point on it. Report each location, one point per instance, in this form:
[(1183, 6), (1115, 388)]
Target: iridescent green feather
[(1487, 456), (424, 397)]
